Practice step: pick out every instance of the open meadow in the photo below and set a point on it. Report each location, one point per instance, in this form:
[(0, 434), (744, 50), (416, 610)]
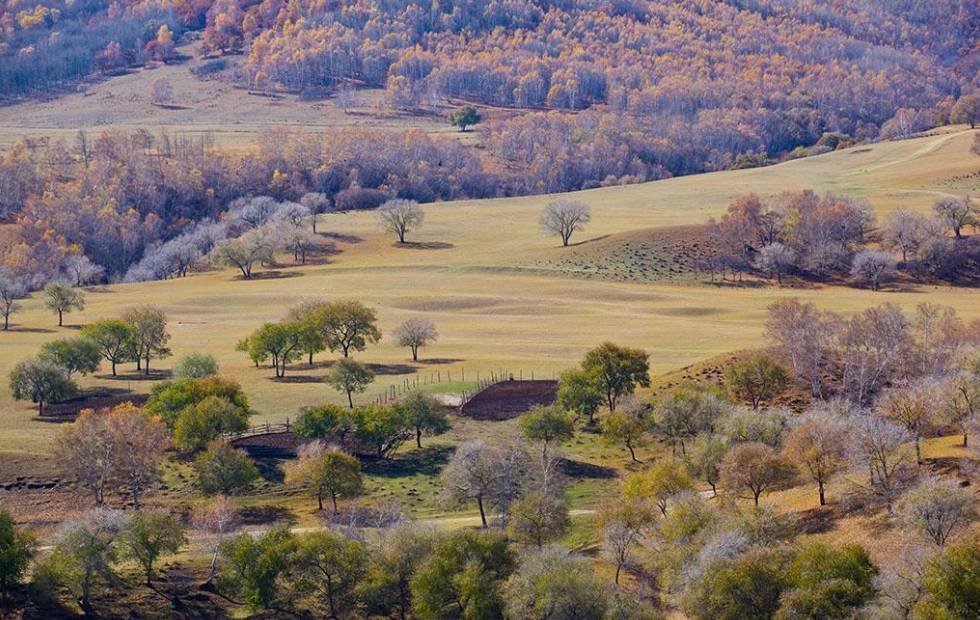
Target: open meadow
[(497, 288)]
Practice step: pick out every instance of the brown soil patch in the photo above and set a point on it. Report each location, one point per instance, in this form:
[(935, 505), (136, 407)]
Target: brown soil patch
[(509, 399)]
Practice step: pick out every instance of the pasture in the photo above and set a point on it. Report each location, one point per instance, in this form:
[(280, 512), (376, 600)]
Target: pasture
[(498, 291)]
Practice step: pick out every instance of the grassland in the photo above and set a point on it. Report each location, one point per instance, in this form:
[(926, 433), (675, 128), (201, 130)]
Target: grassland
[(498, 290)]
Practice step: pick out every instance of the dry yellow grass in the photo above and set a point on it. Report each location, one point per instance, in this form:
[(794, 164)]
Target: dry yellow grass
[(492, 314)]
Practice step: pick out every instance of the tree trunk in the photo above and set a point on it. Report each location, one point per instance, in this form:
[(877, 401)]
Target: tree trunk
[(632, 453), (311, 357), (964, 440), (415, 354), (113, 368), (333, 496), (418, 436), (714, 489), (146, 365), (823, 502), (483, 515), (139, 362), (755, 496), (6, 322), (350, 400), (619, 568), (918, 452), (319, 500), (60, 318)]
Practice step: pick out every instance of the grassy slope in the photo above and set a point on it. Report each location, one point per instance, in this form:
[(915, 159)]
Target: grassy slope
[(492, 314)]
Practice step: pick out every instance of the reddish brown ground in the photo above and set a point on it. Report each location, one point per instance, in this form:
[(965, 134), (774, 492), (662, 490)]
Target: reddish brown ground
[(509, 399)]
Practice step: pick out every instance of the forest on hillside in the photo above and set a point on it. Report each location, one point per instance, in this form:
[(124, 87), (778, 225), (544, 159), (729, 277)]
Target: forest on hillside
[(612, 92)]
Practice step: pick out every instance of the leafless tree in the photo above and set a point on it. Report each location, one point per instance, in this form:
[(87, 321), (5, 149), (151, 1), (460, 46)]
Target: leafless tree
[(873, 267), (317, 203), (883, 447), (913, 407), (400, 216), (939, 337), (804, 336), (162, 92), (873, 346), (11, 289), (416, 333), (938, 509), (903, 583), (623, 526), (564, 218), (255, 246), (216, 519), (906, 231), (493, 476), (81, 270), (956, 213), (776, 259), (141, 441)]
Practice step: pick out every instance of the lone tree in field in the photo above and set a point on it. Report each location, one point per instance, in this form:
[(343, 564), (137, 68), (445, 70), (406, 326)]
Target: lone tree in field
[(41, 383), (416, 333), (11, 289), (148, 325), (326, 471), (616, 370), (464, 117), (966, 110), (350, 377), (61, 299), (873, 267), (399, 216), (757, 379), (114, 339), (348, 326), (956, 213), (565, 217), (150, 534)]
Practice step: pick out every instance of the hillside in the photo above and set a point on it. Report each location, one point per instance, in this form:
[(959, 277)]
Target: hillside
[(488, 278)]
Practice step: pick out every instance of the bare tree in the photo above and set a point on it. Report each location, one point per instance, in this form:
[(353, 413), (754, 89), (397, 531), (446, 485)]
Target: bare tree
[(416, 333), (60, 298), (882, 446), (804, 336), (937, 509), (623, 525), (493, 476), (906, 231), (913, 407), (162, 92), (903, 583), (776, 259), (400, 216), (11, 289), (317, 203), (873, 346), (873, 267), (956, 213), (141, 441), (216, 519), (81, 270), (564, 218)]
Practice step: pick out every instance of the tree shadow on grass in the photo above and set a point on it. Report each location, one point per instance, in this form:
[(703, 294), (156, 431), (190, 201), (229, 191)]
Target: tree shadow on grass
[(265, 515), (137, 375), (439, 360), (427, 461), (28, 330), (392, 369), (341, 237), (581, 469), (273, 274), (300, 379), (424, 245)]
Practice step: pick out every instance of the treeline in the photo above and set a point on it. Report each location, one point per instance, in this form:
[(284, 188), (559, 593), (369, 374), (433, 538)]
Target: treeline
[(45, 45), (766, 76), (833, 236)]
